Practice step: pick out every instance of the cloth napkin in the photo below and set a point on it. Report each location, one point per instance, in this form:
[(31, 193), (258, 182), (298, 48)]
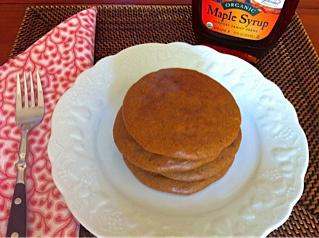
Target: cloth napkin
[(60, 56)]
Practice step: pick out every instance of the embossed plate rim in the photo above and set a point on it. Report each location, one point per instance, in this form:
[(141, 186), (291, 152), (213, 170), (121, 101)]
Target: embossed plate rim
[(271, 94)]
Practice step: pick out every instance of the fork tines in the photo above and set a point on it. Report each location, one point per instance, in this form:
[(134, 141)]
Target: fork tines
[(26, 104)]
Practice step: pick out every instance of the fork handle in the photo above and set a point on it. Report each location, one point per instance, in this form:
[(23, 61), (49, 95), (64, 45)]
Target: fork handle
[(17, 219)]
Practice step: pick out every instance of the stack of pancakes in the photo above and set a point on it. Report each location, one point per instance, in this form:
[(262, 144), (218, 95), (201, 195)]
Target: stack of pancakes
[(178, 130)]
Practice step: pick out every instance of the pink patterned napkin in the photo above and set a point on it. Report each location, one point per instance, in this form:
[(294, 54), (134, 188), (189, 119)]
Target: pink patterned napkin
[(60, 55)]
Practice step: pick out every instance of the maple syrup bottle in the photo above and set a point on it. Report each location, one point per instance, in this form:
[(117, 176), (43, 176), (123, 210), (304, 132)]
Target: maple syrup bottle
[(245, 28)]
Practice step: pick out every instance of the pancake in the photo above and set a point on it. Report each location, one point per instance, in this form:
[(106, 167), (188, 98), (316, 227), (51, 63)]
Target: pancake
[(182, 114), (136, 155), (215, 168), (164, 184)]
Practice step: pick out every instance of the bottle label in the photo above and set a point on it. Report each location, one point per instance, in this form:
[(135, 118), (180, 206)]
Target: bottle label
[(247, 19)]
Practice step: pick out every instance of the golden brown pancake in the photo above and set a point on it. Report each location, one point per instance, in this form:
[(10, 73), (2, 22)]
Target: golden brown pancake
[(164, 184), (181, 113), (136, 155), (215, 168)]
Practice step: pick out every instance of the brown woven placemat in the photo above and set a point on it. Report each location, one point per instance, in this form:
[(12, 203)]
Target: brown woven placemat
[(293, 65)]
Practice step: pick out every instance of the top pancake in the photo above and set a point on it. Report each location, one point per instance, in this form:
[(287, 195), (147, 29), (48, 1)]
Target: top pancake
[(181, 113)]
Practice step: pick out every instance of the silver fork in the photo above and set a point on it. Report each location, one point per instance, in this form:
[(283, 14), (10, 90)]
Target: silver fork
[(28, 115)]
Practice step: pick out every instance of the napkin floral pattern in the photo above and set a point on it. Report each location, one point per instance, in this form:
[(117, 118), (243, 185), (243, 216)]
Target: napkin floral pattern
[(60, 56)]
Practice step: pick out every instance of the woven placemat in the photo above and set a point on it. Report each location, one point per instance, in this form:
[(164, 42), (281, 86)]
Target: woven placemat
[(293, 65)]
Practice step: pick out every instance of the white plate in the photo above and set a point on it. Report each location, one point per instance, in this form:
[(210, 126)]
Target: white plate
[(254, 197)]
